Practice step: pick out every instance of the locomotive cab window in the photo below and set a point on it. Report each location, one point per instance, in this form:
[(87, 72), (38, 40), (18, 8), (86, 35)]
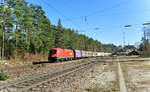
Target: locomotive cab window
[(52, 52)]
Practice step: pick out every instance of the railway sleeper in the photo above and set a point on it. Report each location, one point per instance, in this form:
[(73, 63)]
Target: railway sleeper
[(64, 72)]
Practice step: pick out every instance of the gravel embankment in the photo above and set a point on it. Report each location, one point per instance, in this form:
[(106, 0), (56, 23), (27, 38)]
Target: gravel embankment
[(100, 76), (19, 75)]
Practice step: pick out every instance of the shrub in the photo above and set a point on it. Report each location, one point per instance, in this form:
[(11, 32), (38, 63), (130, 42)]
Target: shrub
[(43, 65), (88, 89), (3, 76), (38, 66)]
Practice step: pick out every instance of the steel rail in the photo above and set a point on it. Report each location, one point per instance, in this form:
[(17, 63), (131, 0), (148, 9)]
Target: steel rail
[(36, 80)]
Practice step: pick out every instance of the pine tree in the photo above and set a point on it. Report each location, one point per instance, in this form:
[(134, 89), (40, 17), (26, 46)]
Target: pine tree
[(29, 30), (59, 35)]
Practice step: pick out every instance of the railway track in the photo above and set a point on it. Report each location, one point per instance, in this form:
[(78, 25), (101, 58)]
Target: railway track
[(36, 80), (13, 71), (27, 67), (33, 66)]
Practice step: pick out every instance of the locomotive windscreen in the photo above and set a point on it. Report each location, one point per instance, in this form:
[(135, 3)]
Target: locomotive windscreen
[(52, 52)]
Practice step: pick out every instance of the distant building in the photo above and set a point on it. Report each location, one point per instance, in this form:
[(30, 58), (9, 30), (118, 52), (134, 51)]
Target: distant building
[(126, 50), (130, 48)]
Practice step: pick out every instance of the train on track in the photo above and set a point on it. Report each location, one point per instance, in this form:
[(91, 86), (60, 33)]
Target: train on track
[(58, 54)]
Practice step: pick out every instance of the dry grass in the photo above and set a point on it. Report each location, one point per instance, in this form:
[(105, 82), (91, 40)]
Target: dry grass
[(143, 82), (102, 89), (19, 59)]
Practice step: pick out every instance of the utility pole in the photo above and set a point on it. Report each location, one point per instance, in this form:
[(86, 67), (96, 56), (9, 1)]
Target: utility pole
[(145, 38), (126, 26), (3, 42), (144, 35), (124, 38)]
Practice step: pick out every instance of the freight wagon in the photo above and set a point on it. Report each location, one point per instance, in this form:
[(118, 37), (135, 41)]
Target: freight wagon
[(77, 54)]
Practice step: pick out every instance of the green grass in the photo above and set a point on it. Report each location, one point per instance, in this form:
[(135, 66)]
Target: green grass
[(38, 66), (3, 76), (43, 65), (88, 89)]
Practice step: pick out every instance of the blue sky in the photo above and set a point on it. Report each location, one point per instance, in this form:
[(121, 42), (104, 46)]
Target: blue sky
[(109, 16)]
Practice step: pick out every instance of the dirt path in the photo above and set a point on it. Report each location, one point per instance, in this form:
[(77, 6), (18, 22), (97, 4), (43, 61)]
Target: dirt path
[(121, 79)]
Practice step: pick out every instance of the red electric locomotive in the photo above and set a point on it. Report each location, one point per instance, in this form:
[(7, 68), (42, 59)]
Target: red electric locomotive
[(58, 54)]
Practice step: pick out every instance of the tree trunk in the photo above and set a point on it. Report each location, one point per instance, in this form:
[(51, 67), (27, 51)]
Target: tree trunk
[(15, 36), (3, 46), (28, 40)]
